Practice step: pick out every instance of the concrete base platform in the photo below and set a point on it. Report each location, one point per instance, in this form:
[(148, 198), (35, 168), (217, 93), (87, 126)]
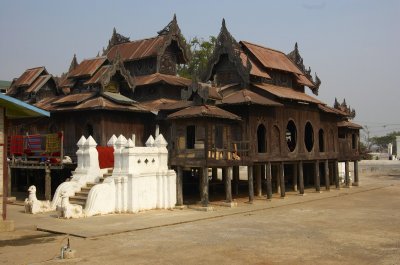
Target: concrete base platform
[(225, 204)]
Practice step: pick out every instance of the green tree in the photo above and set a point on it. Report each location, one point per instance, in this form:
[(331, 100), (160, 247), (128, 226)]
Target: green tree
[(201, 53), (383, 141)]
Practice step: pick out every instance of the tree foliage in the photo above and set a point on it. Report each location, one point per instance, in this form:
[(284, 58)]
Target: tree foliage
[(201, 53), (383, 141)]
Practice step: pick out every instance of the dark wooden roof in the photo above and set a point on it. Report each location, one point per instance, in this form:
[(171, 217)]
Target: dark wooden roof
[(162, 78), (287, 93), (39, 83), (166, 104), (349, 124), (248, 97), (203, 111)]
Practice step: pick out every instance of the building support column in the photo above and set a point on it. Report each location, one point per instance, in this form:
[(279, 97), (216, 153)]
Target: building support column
[(327, 179), (336, 172), (47, 182), (228, 185), (301, 178), (269, 182), (236, 180), (317, 177), (179, 186), (295, 174), (257, 172), (250, 180), (204, 187), (356, 183), (282, 179), (347, 174)]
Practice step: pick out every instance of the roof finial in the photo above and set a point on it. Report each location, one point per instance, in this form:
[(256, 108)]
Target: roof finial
[(74, 64), (174, 18), (296, 46), (223, 23)]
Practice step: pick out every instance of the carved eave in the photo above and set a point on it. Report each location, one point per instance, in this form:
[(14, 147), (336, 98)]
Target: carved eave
[(172, 32), (296, 58), (117, 65), (350, 113), (226, 44), (115, 39), (196, 88)]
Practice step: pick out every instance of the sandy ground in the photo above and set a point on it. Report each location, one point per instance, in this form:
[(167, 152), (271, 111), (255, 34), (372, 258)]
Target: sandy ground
[(360, 225)]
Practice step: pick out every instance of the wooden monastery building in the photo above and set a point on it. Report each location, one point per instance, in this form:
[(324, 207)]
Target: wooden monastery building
[(248, 108)]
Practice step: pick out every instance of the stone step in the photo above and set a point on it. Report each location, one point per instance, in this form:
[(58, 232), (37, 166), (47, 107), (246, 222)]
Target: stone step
[(90, 184), (110, 170), (82, 203), (82, 193), (105, 175), (78, 198), (85, 189)]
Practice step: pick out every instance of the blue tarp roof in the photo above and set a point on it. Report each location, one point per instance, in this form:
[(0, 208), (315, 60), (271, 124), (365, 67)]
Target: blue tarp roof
[(18, 109)]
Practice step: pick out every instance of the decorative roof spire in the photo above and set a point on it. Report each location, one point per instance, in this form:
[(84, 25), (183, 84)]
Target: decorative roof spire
[(73, 65), (351, 113), (172, 27), (116, 38)]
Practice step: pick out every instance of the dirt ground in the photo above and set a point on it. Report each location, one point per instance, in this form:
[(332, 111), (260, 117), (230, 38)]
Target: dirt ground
[(357, 227)]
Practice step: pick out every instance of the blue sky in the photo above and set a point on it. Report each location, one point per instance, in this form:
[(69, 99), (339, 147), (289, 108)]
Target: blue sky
[(354, 46)]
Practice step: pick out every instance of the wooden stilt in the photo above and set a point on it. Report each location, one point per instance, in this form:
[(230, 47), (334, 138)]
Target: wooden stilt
[(236, 180), (204, 187), (269, 182), (301, 179), (347, 174), (250, 180), (282, 179), (47, 183), (336, 172), (356, 183), (228, 185), (317, 177), (327, 179), (179, 187)]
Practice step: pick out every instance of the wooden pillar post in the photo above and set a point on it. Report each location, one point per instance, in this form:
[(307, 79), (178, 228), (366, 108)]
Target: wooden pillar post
[(228, 186), (282, 179), (317, 177), (47, 182), (269, 182), (257, 171), (347, 174), (295, 174), (236, 180), (356, 183), (336, 172), (179, 186), (204, 187), (250, 180), (327, 180), (301, 178)]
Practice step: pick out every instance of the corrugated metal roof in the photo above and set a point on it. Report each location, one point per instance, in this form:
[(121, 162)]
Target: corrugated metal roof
[(287, 93), (39, 83), (100, 102), (349, 124), (67, 82), (138, 49), (270, 58), (97, 76), (87, 67), (255, 70), (158, 78), (30, 75), (328, 109), (213, 93), (246, 96), (303, 80), (118, 98), (74, 99), (203, 111), (166, 104)]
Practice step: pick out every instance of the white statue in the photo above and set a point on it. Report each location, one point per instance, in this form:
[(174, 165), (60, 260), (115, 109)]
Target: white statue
[(68, 210), (33, 205)]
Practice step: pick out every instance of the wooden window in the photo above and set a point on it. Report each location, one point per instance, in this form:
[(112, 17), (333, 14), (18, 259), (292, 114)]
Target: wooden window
[(291, 135), (309, 137), (190, 136), (261, 139)]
